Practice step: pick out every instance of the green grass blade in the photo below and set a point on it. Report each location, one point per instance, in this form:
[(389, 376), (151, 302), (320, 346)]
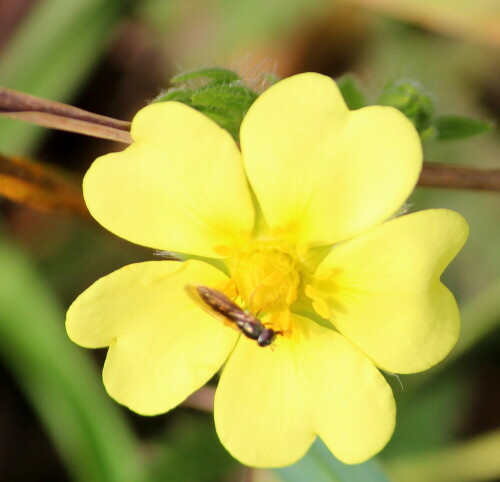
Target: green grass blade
[(86, 427), (51, 54)]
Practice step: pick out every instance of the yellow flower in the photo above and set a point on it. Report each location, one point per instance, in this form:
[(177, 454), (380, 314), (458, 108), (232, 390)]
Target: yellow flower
[(295, 225)]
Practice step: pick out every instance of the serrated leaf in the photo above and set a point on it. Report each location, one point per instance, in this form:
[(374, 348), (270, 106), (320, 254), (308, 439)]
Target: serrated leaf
[(229, 123), (454, 127), (351, 91), (225, 97), (183, 96), (215, 75), (220, 96)]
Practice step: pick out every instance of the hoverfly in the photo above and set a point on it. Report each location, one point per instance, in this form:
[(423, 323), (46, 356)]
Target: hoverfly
[(220, 306)]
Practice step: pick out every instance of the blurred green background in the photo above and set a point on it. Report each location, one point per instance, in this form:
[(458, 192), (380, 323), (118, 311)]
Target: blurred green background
[(111, 57)]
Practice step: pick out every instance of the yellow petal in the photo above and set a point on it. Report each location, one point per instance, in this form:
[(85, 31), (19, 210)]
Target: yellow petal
[(385, 294), (163, 347), (321, 173), (350, 403), (260, 409), (179, 187), (270, 404)]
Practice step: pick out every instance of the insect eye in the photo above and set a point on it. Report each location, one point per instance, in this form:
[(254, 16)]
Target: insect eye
[(266, 337)]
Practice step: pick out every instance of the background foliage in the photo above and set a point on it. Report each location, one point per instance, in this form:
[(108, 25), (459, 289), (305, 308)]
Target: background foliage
[(111, 57)]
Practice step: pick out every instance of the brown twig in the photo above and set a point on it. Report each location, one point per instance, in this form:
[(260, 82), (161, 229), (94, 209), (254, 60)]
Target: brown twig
[(459, 177), (56, 115), (65, 117)]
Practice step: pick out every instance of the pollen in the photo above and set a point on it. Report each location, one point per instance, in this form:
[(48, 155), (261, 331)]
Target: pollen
[(267, 277)]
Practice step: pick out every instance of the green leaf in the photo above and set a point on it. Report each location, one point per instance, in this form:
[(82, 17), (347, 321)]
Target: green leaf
[(215, 75), (411, 99), (85, 425), (319, 464), (227, 98), (227, 122), (452, 127), (351, 91), (183, 96), (218, 93)]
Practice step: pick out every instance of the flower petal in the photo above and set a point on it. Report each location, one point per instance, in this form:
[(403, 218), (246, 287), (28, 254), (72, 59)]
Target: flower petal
[(270, 404), (260, 409), (179, 187), (163, 347), (350, 402), (321, 173), (385, 290)]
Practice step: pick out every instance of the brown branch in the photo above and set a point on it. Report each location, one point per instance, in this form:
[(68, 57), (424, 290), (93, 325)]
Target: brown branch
[(56, 115), (459, 177)]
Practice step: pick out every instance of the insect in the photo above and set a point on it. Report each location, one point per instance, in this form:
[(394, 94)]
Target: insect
[(220, 306)]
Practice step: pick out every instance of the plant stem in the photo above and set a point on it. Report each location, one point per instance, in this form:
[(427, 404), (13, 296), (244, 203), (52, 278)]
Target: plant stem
[(57, 115), (459, 177)]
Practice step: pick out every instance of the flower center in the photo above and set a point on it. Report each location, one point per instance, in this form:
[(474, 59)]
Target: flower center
[(266, 276)]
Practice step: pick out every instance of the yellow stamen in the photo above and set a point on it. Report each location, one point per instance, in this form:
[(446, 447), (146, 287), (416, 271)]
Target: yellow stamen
[(267, 277)]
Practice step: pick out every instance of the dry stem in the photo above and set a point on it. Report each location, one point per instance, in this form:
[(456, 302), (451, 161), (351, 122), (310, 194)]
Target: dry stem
[(56, 115)]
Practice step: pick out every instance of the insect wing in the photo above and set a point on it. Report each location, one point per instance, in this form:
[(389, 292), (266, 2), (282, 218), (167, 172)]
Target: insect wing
[(212, 302), (220, 306), (193, 293), (249, 325)]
